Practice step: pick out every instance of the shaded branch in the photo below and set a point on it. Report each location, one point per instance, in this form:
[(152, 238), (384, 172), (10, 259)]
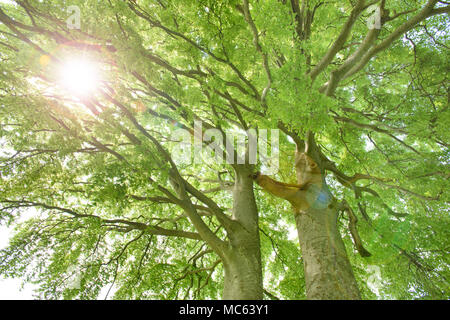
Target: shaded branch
[(353, 220), (131, 225)]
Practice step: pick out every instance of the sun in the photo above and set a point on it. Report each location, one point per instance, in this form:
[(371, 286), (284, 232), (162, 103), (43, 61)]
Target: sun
[(80, 76)]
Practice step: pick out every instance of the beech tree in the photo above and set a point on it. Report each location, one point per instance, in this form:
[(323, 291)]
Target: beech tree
[(94, 94)]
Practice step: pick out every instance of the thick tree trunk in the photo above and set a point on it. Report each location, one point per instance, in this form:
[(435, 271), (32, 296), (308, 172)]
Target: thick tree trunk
[(243, 275), (328, 272), (242, 262)]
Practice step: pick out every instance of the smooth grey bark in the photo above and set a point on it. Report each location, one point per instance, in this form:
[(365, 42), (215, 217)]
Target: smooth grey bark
[(242, 259), (243, 274), (328, 273)]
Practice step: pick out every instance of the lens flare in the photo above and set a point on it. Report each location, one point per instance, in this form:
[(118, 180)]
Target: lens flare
[(80, 77)]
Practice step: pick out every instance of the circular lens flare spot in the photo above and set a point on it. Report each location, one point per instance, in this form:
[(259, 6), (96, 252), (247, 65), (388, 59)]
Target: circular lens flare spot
[(44, 60)]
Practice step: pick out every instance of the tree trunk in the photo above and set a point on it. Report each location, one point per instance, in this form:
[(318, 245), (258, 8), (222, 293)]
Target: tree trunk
[(242, 262), (328, 273), (243, 275)]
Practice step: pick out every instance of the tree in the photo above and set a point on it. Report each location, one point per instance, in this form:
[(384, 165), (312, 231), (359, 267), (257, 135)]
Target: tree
[(360, 86)]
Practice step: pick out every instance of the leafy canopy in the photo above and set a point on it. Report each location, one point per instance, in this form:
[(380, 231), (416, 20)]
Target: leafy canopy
[(93, 175)]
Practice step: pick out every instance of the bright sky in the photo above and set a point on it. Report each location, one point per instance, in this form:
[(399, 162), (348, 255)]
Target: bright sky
[(10, 289), (6, 1)]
